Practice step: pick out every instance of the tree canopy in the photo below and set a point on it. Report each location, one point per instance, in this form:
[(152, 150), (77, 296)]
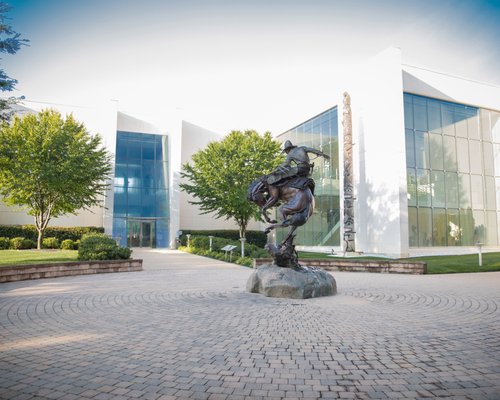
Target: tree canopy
[(51, 166), (220, 174), (10, 43)]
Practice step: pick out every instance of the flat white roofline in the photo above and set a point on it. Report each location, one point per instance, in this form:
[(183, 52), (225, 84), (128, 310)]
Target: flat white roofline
[(452, 76)]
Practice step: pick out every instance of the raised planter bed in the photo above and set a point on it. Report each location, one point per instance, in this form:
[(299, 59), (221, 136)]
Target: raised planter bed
[(381, 266), (37, 271)]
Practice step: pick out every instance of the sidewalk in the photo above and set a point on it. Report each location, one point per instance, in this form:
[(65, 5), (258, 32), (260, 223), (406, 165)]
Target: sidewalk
[(185, 328)]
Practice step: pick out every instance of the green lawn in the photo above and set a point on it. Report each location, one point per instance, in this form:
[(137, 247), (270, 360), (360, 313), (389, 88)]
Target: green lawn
[(16, 257), (436, 264)]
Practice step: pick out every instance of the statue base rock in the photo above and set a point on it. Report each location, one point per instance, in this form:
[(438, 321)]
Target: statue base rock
[(293, 283)]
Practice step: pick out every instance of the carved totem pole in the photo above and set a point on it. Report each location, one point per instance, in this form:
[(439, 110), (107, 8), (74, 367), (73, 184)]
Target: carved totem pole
[(348, 177)]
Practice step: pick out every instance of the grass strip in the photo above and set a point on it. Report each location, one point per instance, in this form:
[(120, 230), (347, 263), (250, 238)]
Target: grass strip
[(449, 264), (19, 257)]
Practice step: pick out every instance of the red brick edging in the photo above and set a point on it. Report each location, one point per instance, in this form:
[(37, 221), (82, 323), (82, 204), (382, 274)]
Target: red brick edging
[(37, 271), (382, 266)]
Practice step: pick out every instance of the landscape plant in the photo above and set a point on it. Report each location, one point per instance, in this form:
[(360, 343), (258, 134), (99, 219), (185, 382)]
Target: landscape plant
[(68, 244), (20, 243), (219, 175), (51, 243), (51, 166), (101, 247), (200, 245), (60, 232), (4, 243), (257, 238)]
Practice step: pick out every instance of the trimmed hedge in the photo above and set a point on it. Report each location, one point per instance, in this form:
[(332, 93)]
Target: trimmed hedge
[(245, 261), (201, 245), (60, 233), (256, 238)]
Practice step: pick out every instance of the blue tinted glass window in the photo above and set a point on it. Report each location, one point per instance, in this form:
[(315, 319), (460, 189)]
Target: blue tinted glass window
[(120, 230), (134, 175), (161, 176), (141, 185), (120, 174), (148, 174), (148, 202), (121, 149), (120, 201), (148, 150), (134, 150)]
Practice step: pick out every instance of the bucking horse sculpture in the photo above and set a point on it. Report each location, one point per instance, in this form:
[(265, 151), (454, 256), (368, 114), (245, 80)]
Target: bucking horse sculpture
[(291, 188)]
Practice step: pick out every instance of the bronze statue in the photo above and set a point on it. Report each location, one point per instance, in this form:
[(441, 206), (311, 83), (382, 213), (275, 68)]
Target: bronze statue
[(297, 163), (291, 185)]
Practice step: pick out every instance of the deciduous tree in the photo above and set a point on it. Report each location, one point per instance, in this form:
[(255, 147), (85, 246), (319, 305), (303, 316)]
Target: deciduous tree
[(51, 166), (220, 174)]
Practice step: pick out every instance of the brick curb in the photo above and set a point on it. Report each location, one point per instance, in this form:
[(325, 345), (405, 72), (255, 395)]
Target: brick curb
[(38, 271), (385, 266)]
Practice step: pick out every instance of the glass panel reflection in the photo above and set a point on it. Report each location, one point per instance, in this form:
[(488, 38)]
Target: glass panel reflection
[(320, 132), (142, 198), (443, 138)]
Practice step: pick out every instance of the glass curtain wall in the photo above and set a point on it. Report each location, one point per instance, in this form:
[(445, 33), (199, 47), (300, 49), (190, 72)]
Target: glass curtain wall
[(141, 202), (453, 173), (320, 132)]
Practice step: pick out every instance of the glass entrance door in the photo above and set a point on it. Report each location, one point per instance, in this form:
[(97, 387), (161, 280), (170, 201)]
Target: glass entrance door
[(141, 233)]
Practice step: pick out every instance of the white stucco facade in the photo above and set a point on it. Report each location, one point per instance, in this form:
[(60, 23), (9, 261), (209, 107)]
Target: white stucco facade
[(379, 153), (383, 222)]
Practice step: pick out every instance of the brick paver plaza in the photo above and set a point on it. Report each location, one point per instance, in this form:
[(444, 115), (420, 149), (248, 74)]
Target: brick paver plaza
[(185, 328)]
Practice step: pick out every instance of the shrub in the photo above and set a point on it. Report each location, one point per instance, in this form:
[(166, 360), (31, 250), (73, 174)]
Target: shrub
[(20, 243), (246, 261), (29, 244), (251, 251), (256, 238), (4, 243), (50, 243), (68, 244), (101, 247), (61, 233), (16, 243)]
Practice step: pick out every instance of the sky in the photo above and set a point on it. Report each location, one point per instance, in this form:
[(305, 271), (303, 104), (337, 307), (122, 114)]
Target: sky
[(229, 64)]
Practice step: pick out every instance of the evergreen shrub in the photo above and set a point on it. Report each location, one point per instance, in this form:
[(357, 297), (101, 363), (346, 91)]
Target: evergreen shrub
[(61, 233), (98, 246), (4, 243), (256, 238), (20, 243), (50, 243), (69, 244)]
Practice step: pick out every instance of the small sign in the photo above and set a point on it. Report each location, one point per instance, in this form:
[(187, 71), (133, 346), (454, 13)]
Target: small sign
[(228, 248)]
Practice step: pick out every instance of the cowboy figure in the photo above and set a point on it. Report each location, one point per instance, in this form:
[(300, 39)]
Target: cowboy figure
[(297, 163)]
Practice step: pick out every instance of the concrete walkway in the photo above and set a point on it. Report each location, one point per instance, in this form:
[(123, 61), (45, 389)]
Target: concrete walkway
[(185, 328)]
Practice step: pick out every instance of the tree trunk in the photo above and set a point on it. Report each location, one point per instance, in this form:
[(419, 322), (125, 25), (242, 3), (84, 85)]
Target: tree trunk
[(243, 228), (40, 239)]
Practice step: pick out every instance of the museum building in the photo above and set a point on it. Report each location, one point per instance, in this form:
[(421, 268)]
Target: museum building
[(414, 167)]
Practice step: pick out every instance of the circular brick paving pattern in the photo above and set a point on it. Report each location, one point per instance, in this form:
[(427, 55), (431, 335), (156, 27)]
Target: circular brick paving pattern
[(186, 328)]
